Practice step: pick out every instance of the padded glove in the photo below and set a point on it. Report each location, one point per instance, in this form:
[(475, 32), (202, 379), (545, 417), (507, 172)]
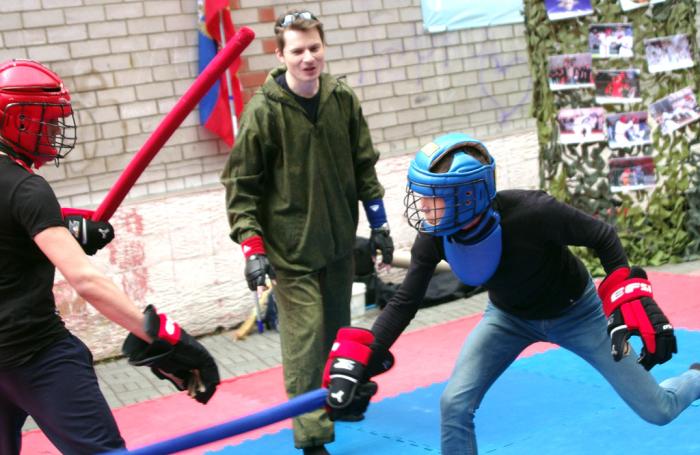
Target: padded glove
[(257, 267), (91, 235), (351, 363), (380, 240), (174, 355), (628, 302)]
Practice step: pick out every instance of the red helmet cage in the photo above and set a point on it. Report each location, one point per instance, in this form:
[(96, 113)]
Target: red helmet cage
[(36, 117)]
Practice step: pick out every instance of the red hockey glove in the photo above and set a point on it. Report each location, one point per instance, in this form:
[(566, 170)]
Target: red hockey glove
[(628, 302), (91, 235), (174, 355), (351, 363)]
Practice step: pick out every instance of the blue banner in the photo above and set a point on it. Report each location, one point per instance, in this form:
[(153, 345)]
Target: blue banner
[(446, 15)]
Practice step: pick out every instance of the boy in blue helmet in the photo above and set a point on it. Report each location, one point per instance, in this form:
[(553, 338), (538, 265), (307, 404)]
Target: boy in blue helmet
[(515, 244)]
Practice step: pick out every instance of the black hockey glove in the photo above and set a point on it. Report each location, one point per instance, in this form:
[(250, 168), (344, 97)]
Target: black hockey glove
[(380, 240), (174, 355), (91, 235), (658, 337), (257, 267)]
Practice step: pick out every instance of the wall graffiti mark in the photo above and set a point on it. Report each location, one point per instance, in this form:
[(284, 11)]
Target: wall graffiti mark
[(127, 252), (504, 112), (68, 302)]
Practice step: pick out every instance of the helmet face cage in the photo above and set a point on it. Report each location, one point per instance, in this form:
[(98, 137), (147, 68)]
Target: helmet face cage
[(43, 131), (444, 209)]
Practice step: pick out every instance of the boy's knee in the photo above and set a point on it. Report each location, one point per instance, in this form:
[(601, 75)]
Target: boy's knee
[(452, 406), (659, 418)]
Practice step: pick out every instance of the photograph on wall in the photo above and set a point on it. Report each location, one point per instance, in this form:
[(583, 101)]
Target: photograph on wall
[(579, 126), (570, 71), (617, 86), (668, 53), (628, 5), (675, 110), (610, 40), (566, 9), (627, 129), (631, 173)]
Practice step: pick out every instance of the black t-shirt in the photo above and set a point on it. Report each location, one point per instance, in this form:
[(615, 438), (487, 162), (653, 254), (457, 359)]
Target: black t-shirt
[(310, 105), (28, 318), (537, 277)]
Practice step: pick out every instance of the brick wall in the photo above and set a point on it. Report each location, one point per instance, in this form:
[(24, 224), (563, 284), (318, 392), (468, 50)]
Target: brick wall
[(127, 62)]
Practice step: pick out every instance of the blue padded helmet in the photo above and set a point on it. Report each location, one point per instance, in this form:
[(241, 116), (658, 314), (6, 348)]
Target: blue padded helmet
[(468, 187)]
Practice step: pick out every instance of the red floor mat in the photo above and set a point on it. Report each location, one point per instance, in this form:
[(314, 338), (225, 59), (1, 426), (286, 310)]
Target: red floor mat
[(424, 357)]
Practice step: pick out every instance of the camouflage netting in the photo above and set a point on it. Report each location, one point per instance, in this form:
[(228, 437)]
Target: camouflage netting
[(658, 225)]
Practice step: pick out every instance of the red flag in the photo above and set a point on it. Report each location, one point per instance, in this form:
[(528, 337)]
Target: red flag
[(212, 10), (218, 118)]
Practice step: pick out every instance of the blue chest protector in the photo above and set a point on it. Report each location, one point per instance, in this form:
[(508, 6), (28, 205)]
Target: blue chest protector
[(475, 262)]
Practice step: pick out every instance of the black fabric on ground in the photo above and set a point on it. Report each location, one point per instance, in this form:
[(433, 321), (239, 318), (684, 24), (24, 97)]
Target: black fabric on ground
[(443, 287)]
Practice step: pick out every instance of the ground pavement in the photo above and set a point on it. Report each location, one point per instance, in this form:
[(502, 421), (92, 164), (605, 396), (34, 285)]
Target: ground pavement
[(125, 385)]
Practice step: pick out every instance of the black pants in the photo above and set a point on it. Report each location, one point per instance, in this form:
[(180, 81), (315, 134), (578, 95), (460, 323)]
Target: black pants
[(59, 389)]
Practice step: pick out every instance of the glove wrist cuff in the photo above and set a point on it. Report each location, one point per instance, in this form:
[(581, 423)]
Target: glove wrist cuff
[(613, 279), (253, 246), (376, 214), (160, 326), (383, 228), (69, 211), (627, 291), (357, 334)]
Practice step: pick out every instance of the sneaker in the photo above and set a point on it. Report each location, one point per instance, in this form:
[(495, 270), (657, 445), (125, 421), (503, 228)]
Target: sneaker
[(316, 450)]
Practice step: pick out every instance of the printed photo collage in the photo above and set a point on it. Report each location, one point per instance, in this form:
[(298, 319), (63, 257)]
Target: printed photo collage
[(616, 88)]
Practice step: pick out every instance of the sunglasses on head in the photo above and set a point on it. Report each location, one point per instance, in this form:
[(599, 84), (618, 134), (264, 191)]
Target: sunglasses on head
[(289, 18)]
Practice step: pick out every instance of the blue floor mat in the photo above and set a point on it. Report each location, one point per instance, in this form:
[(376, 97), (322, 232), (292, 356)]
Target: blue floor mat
[(551, 403)]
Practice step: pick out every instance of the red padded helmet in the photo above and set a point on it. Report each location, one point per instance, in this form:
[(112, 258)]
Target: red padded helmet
[(36, 118)]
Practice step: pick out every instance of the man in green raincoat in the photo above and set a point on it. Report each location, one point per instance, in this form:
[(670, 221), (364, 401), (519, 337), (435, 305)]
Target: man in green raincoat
[(302, 161)]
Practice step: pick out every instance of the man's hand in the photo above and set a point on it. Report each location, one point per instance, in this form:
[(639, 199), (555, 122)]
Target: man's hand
[(628, 302), (174, 355), (380, 240), (91, 235), (257, 267), (351, 363)]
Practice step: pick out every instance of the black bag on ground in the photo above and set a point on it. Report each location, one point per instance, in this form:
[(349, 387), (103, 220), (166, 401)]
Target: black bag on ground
[(446, 287), (270, 318), (377, 292), (443, 287)]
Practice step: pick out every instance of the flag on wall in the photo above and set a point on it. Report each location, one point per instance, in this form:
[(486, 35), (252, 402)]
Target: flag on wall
[(214, 109)]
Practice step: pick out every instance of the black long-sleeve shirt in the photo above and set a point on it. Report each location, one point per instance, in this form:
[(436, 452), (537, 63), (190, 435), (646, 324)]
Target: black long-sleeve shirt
[(537, 278)]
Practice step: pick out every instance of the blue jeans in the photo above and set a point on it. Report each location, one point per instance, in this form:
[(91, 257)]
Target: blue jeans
[(500, 337)]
